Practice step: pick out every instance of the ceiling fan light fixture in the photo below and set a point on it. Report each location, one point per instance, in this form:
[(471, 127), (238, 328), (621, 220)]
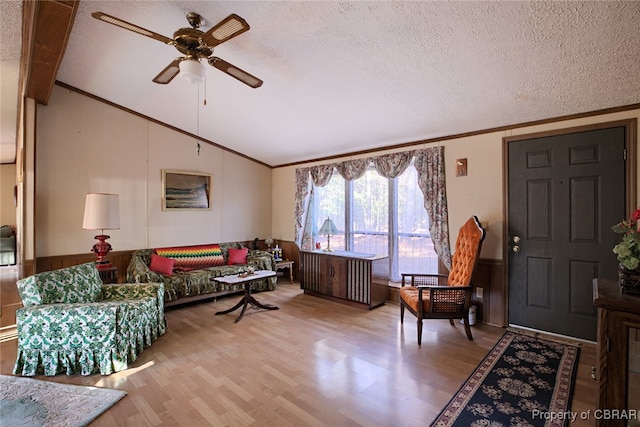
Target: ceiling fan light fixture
[(192, 70)]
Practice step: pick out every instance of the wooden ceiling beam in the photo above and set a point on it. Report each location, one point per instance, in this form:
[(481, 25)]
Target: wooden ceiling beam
[(49, 23)]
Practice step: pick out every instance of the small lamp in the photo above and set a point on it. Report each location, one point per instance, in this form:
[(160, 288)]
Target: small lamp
[(328, 228), (101, 212), (269, 242), (192, 70)]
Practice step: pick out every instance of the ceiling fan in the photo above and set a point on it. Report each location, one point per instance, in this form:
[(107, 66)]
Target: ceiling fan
[(194, 45)]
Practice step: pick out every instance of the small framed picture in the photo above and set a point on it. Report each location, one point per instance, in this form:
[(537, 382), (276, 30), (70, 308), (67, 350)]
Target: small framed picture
[(185, 190)]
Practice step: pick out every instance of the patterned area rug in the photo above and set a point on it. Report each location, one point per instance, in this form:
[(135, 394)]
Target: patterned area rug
[(523, 381), (29, 402)]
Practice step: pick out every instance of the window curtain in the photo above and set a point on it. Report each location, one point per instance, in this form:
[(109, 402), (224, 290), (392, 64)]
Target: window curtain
[(353, 169), (428, 162), (304, 193), (302, 207), (430, 166), (392, 165)]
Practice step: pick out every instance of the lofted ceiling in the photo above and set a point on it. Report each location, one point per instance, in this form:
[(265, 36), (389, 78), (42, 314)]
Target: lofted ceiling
[(349, 76)]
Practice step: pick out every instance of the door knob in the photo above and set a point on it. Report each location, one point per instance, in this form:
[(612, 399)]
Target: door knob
[(516, 239), (516, 249)]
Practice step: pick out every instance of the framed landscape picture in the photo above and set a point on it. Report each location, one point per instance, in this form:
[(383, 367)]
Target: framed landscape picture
[(184, 190)]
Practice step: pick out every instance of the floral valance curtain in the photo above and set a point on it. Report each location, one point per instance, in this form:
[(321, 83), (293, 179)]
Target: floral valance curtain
[(429, 163)]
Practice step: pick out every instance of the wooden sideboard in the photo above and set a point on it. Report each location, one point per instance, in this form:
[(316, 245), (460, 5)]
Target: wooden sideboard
[(618, 371), (361, 280)]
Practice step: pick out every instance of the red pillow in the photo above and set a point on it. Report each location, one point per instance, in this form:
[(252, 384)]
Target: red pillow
[(161, 265), (237, 256)]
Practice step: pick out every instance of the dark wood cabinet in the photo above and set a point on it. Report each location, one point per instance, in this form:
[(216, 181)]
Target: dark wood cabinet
[(618, 371), (353, 278)]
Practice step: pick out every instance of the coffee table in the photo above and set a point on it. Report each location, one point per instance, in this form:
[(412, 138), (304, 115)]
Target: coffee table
[(247, 298)]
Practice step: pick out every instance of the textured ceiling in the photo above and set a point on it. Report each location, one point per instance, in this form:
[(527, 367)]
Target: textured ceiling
[(347, 76)]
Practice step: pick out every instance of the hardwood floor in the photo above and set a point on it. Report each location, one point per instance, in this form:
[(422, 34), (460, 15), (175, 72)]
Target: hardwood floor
[(312, 363)]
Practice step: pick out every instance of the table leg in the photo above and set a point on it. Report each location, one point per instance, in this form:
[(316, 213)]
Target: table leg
[(245, 301)]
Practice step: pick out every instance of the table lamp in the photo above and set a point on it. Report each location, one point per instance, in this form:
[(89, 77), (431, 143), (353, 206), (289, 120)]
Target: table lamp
[(101, 212), (328, 228)]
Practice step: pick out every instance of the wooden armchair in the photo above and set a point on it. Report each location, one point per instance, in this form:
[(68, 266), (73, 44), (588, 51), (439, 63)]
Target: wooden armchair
[(441, 296)]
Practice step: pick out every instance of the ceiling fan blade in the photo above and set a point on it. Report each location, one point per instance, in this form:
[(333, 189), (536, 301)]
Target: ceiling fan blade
[(235, 72), (128, 26), (226, 29), (170, 71)]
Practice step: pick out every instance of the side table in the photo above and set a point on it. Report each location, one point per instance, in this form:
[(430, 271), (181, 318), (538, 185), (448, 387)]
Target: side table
[(618, 354), (286, 264), (108, 275)]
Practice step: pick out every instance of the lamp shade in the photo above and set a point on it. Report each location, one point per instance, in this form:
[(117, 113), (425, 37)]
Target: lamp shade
[(328, 227), (192, 70), (101, 212)]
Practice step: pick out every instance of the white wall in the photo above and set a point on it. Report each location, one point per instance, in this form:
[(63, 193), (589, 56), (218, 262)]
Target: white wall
[(84, 145), (479, 193)]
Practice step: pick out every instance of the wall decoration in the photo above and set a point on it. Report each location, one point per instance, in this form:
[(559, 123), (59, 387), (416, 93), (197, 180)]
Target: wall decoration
[(184, 190)]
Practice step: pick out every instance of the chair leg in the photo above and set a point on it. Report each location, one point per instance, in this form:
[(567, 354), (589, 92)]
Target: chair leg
[(451, 321), (467, 328), (419, 331), (401, 312)]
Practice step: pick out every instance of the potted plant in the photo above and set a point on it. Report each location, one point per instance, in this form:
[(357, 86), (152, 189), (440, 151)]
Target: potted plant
[(628, 253)]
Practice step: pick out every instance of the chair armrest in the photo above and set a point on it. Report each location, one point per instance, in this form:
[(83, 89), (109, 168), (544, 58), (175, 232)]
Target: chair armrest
[(424, 279), (120, 292), (447, 299), (116, 292), (437, 288), (138, 271), (263, 260)]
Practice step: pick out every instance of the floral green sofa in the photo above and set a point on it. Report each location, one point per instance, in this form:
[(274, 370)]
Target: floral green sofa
[(71, 322), (190, 276)]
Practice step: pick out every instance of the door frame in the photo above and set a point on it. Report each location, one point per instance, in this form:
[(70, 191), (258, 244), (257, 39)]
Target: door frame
[(630, 145)]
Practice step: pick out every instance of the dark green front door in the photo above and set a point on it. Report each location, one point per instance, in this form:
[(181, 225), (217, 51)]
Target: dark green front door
[(564, 194)]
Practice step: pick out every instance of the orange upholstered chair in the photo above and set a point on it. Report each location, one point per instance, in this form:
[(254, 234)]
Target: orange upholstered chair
[(442, 296)]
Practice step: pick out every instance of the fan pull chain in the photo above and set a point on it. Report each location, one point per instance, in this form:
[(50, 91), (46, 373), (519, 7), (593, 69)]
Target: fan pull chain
[(205, 91), (198, 122)]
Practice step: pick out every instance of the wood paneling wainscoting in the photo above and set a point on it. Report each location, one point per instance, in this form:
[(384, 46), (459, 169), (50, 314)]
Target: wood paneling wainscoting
[(291, 252), (491, 308), (119, 259)]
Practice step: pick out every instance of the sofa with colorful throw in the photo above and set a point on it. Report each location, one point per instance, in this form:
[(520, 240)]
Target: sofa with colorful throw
[(187, 272), (73, 323)]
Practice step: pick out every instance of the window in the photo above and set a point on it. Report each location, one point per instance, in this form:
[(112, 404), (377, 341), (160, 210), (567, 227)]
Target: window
[(379, 216), (415, 248), (328, 202), (369, 217)]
